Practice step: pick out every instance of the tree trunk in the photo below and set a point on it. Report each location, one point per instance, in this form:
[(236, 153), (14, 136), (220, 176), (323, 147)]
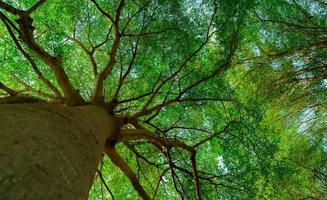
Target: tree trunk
[(50, 151)]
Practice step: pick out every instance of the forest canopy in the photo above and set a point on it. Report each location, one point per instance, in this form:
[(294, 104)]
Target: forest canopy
[(218, 99)]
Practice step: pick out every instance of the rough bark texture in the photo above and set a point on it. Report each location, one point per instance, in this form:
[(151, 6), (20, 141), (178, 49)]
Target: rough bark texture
[(50, 151)]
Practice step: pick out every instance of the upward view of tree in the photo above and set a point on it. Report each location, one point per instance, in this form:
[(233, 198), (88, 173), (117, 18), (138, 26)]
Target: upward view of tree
[(154, 99)]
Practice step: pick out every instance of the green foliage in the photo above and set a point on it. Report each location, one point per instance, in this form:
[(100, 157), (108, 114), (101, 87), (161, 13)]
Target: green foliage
[(264, 62)]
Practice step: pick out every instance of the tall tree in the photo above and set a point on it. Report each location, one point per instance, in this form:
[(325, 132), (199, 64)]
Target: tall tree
[(188, 99)]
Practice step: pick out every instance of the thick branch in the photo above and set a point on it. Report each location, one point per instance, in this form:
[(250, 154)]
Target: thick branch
[(36, 6), (26, 29), (72, 96), (31, 89), (10, 8), (196, 177), (16, 11), (143, 134), (120, 163), (102, 76), (102, 11), (30, 60), (11, 92)]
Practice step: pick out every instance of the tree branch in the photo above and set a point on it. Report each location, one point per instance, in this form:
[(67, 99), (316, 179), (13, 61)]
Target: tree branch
[(30, 59), (179, 69), (120, 163), (172, 101), (163, 82), (139, 134), (89, 55), (129, 68), (213, 135), (158, 184), (196, 177), (36, 6), (30, 88), (143, 95), (97, 96), (140, 156), (290, 24), (105, 184), (25, 24), (11, 92), (136, 13), (10, 8), (146, 33), (103, 12), (173, 174)]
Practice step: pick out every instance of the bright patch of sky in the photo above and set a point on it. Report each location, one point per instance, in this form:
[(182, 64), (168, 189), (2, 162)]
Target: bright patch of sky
[(325, 143), (221, 164), (275, 64), (197, 6), (315, 8), (324, 83), (256, 50), (264, 35), (298, 63), (305, 119)]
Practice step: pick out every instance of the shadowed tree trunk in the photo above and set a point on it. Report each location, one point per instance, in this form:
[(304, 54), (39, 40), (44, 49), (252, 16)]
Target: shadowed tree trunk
[(50, 151)]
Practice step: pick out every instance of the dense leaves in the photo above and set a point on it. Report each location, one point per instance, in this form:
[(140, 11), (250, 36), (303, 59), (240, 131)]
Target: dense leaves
[(242, 82)]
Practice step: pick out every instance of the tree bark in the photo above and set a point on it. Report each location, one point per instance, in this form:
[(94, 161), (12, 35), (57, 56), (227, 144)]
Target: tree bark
[(50, 151)]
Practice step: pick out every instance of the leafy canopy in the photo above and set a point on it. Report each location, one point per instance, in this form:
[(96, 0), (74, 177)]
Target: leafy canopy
[(221, 99)]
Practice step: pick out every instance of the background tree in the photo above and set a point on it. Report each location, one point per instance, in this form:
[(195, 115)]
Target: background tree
[(188, 99)]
